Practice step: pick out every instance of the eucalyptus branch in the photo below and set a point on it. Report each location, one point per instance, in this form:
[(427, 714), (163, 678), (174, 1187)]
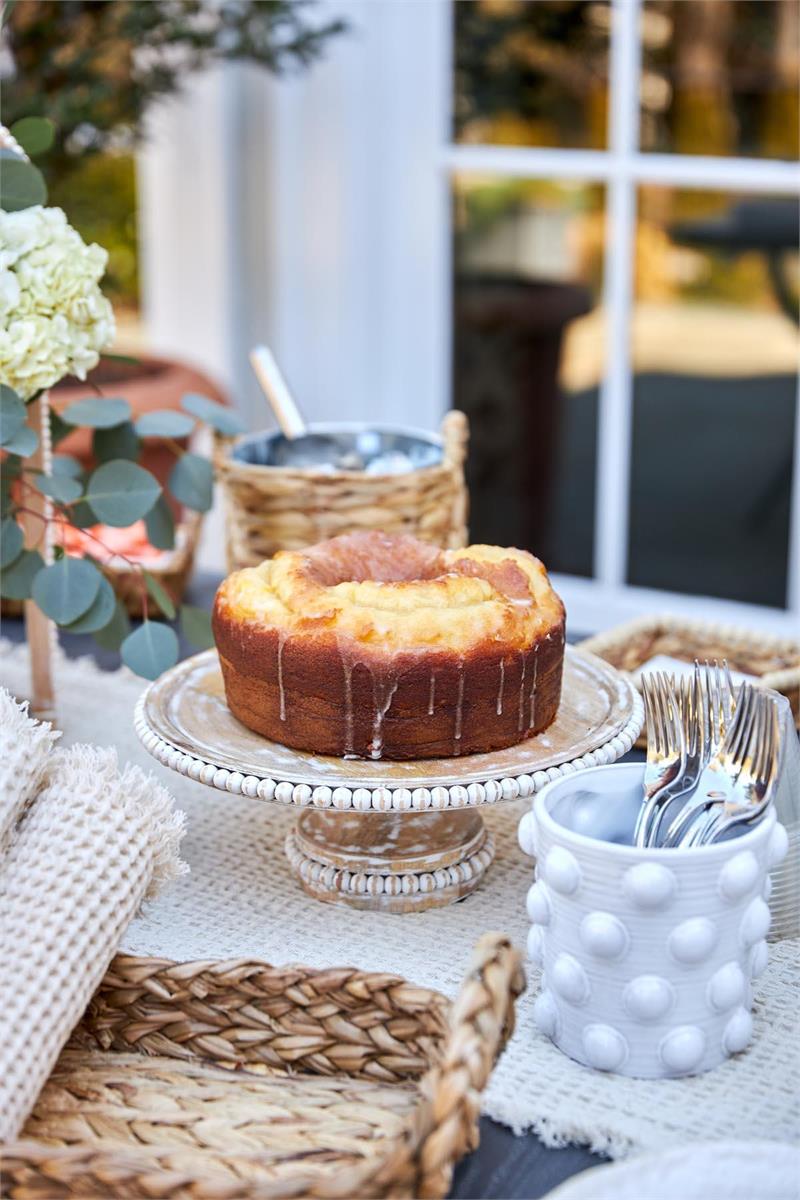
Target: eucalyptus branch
[(59, 515)]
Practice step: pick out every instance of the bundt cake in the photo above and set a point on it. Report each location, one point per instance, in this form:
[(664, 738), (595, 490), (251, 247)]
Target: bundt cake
[(382, 646)]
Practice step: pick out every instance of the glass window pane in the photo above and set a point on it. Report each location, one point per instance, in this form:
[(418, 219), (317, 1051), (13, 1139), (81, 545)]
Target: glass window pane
[(721, 77), (715, 352), (528, 357), (531, 74)]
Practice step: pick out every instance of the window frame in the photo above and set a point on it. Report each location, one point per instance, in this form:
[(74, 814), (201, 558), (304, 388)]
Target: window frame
[(622, 167), (329, 199)]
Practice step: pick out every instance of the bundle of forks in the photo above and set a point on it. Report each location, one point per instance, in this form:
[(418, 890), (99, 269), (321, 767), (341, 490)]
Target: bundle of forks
[(713, 754)]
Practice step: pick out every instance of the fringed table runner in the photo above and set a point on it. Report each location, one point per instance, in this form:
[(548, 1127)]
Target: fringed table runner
[(240, 900)]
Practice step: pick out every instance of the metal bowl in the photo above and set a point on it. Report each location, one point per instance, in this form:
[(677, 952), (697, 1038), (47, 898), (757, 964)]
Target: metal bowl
[(344, 446)]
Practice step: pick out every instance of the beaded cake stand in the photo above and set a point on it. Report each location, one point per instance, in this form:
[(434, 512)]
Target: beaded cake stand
[(391, 836)]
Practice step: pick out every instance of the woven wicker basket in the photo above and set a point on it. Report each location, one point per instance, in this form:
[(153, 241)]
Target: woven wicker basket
[(281, 508), (774, 661), (171, 570), (266, 1082)]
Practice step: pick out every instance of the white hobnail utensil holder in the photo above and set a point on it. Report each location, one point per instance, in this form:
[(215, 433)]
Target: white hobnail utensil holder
[(785, 898), (648, 955)]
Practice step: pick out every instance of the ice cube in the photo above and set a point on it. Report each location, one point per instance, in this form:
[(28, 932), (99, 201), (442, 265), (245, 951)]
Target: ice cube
[(393, 462)]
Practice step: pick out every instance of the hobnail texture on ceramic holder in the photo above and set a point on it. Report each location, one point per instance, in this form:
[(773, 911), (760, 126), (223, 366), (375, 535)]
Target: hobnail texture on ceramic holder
[(648, 955)]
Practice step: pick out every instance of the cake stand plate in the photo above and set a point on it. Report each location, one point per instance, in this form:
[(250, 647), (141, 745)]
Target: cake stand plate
[(391, 836)]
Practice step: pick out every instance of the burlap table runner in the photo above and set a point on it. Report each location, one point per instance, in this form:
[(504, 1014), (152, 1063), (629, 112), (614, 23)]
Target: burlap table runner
[(241, 900)]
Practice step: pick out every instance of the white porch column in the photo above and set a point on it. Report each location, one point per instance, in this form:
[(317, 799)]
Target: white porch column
[(306, 211)]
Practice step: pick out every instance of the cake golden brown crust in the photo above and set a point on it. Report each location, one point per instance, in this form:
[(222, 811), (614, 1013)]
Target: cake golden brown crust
[(382, 646)]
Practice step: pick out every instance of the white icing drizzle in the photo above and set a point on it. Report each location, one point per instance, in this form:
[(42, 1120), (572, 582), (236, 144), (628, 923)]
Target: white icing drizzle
[(281, 692), (502, 685), (533, 685), (459, 709), (521, 716), (431, 695), (382, 705), (347, 667)]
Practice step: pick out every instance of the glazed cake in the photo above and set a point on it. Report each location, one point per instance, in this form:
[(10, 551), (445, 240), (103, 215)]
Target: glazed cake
[(375, 646)]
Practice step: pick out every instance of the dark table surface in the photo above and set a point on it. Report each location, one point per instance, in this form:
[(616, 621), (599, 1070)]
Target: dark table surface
[(504, 1166)]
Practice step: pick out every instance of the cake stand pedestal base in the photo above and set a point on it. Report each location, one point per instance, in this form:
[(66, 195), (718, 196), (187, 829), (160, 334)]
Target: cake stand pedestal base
[(387, 836), (390, 862)]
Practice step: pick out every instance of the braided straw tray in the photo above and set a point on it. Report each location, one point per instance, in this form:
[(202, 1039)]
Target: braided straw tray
[(238, 1080), (773, 661)]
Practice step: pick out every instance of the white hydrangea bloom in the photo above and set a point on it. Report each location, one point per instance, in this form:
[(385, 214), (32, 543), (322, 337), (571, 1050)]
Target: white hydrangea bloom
[(54, 320)]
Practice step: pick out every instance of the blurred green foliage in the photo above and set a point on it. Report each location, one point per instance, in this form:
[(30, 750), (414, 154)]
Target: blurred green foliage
[(94, 67), (99, 193)]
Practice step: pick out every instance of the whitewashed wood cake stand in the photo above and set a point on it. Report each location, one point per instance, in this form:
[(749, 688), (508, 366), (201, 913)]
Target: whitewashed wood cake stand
[(392, 836)]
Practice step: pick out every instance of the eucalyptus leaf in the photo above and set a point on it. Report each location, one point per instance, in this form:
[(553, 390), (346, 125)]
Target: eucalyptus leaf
[(7, 477), (21, 185), (150, 649), (12, 414), (11, 542), (23, 443), (67, 589), (62, 488), (65, 464), (16, 582), (196, 626), (119, 442), (34, 134), (129, 360), (112, 635), (82, 516), (98, 412), (58, 429), (191, 481), (99, 613), (161, 597), (121, 492), (216, 415), (164, 423), (160, 525)]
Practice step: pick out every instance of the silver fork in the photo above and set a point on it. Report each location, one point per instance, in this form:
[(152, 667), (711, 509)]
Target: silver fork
[(714, 782), (751, 790), (665, 748), (693, 700), (715, 709)]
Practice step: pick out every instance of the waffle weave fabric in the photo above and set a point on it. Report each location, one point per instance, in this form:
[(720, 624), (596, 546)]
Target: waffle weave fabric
[(91, 845), (26, 745), (241, 901)]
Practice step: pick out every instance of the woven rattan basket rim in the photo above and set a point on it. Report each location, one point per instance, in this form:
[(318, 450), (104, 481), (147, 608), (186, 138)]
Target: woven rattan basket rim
[(163, 1007), (262, 472)]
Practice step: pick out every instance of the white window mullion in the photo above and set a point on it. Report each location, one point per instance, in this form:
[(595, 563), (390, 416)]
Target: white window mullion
[(669, 170), (444, 32), (717, 174), (793, 590), (527, 162), (614, 418)]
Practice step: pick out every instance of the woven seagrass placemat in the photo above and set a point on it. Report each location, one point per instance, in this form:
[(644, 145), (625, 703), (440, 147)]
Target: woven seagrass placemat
[(241, 900)]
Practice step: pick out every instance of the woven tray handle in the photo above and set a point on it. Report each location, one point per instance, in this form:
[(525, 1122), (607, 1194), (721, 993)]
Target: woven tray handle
[(482, 1021), (455, 437)]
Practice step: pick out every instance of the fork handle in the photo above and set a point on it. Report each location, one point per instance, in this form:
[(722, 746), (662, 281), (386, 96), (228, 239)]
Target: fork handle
[(687, 822), (655, 806)]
